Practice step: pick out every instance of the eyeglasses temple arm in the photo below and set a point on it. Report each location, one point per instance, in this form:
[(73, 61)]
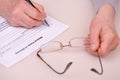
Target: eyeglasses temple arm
[(66, 68), (96, 71)]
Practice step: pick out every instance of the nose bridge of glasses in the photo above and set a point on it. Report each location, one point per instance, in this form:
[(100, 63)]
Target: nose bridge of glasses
[(67, 45)]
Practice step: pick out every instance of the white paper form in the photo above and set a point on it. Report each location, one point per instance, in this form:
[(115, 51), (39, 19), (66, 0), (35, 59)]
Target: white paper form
[(17, 43)]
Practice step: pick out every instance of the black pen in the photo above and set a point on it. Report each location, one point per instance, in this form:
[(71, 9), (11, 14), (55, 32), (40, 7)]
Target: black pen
[(36, 8)]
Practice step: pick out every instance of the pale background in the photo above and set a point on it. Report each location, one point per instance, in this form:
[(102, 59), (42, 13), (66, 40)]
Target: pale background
[(77, 14)]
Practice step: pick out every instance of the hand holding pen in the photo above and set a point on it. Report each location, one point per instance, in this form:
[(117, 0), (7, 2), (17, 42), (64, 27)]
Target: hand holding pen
[(44, 21), (20, 13)]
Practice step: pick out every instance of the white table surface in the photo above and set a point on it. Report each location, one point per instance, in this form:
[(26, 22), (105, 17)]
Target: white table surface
[(77, 14)]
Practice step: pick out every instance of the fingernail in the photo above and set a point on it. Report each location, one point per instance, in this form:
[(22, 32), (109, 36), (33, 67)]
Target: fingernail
[(93, 47)]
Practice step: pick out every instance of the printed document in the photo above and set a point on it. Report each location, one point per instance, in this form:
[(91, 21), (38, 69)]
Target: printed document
[(16, 43)]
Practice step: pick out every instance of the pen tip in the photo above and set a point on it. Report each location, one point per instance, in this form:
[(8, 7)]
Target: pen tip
[(46, 23)]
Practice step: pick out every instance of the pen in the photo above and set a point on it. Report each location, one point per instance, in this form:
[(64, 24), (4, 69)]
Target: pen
[(36, 8)]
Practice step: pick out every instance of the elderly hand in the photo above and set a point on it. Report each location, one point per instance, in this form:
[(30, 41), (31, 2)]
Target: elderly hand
[(102, 37)]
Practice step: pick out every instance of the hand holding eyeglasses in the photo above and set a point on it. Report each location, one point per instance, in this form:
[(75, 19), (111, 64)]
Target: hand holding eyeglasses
[(102, 37)]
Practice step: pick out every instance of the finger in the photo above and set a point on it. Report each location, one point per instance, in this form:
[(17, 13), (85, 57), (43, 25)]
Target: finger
[(94, 37), (86, 42), (33, 12), (40, 8), (23, 24), (87, 46), (31, 22), (91, 52), (20, 22), (13, 22)]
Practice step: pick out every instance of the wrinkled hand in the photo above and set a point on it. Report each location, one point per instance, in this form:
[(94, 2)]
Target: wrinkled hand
[(21, 13), (103, 37)]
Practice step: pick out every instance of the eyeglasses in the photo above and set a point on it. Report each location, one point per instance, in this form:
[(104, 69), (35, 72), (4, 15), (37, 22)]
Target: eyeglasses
[(56, 46)]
